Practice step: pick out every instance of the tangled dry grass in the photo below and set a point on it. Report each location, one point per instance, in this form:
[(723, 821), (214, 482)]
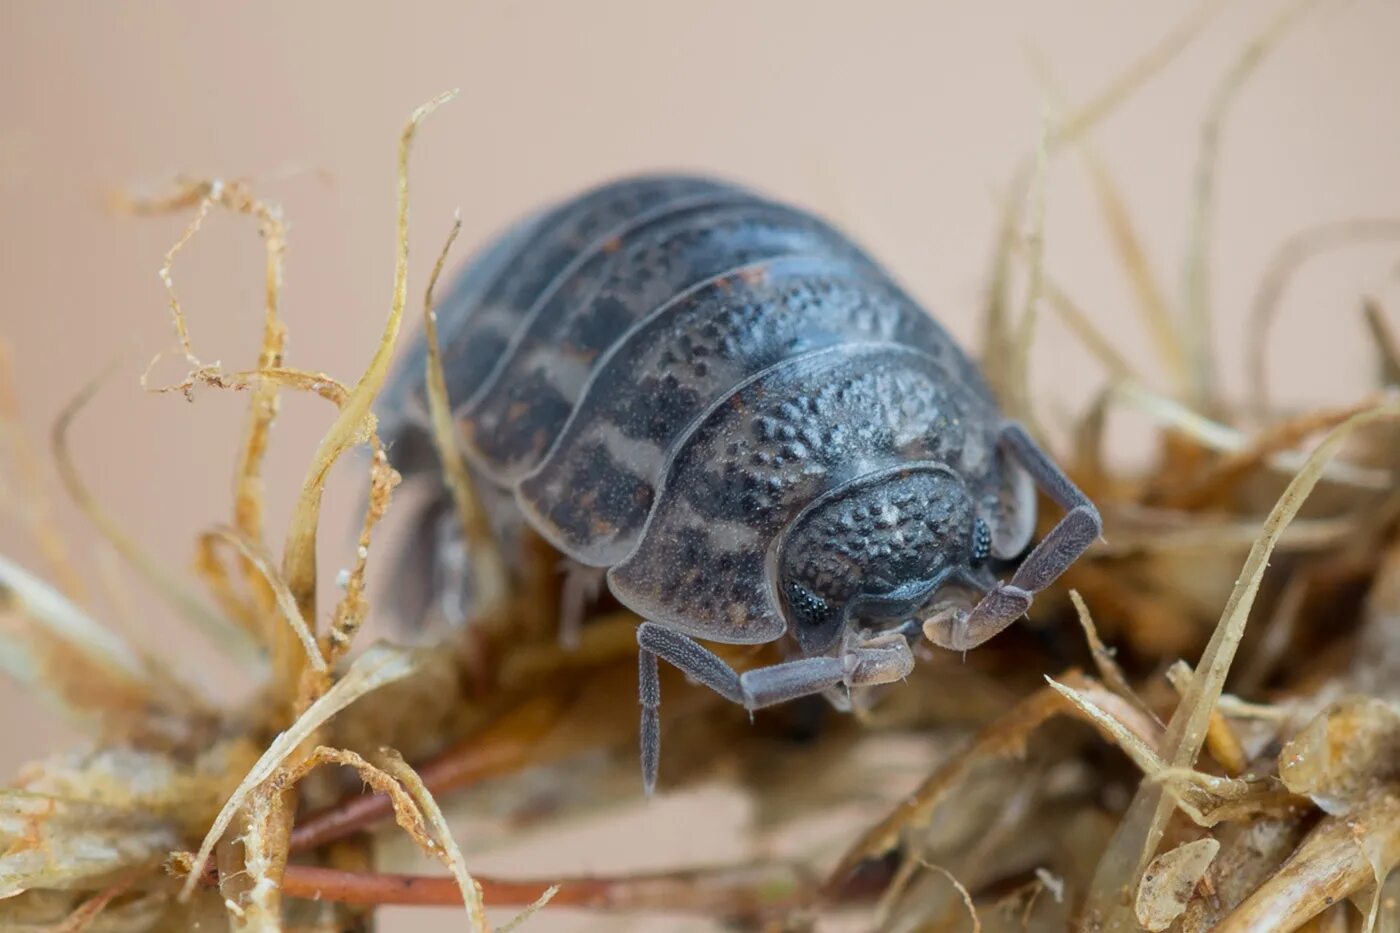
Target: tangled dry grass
[(1126, 790)]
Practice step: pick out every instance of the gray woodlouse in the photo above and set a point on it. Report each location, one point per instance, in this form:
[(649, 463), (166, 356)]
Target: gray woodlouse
[(726, 404)]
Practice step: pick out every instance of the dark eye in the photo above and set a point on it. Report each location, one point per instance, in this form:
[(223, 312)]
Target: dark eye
[(807, 607), (817, 622), (981, 541)]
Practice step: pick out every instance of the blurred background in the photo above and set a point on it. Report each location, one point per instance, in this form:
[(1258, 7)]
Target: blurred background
[(902, 121)]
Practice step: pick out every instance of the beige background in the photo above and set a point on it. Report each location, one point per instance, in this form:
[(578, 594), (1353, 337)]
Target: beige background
[(899, 119)]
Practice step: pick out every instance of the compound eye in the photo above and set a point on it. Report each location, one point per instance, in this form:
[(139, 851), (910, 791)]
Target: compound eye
[(817, 621), (808, 609), (981, 541)]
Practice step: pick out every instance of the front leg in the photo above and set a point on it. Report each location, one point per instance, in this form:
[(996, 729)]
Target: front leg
[(1006, 602), (879, 660)]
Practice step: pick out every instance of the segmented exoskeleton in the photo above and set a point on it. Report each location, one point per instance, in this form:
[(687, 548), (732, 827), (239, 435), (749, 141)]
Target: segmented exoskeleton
[(736, 412)]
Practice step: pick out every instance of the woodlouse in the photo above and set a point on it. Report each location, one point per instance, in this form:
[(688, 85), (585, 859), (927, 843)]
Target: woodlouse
[(730, 407)]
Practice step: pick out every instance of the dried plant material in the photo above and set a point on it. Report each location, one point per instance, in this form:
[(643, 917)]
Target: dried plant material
[(1108, 668), (185, 788), (1344, 754), (266, 846), (50, 644), (1077, 320), (1142, 828), (504, 746), (1151, 298), (378, 666), (236, 197), (996, 324), (996, 329), (30, 500), (1004, 738), (1205, 799), (1224, 439), (262, 562), (221, 631), (1170, 881), (746, 891), (1383, 336), (355, 422), (1138, 743), (51, 843), (351, 610), (520, 919), (1196, 318), (1275, 441), (1221, 741), (1339, 858), (997, 345), (1286, 260), (1376, 665), (962, 893), (1019, 401), (1162, 534), (88, 911), (1139, 71), (1249, 853), (487, 568), (446, 849)]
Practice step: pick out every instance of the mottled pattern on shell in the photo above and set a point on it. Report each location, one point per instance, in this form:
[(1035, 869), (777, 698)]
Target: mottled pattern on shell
[(667, 371), (788, 435)]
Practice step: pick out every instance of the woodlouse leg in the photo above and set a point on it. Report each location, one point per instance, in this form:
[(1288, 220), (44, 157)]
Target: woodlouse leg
[(880, 660), (1007, 602), (755, 689), (649, 690)]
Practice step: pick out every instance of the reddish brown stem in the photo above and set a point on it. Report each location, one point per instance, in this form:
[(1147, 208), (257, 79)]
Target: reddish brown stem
[(502, 749), (745, 890)]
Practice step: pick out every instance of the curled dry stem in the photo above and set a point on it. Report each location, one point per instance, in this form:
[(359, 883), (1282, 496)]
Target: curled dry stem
[(1196, 316), (262, 562), (1285, 262), (236, 197), (220, 630), (446, 849), (32, 503)]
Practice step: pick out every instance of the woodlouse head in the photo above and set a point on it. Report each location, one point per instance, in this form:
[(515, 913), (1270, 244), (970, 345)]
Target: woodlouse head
[(877, 551)]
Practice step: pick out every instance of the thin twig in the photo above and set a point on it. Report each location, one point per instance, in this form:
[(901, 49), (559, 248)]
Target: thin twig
[(751, 890)]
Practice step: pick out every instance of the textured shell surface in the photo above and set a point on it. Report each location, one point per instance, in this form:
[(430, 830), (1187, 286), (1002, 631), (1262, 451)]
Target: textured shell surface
[(526, 400), (669, 371)]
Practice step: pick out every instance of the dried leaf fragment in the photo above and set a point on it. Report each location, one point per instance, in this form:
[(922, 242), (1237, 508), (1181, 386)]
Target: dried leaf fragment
[(1341, 756), (1170, 880)]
